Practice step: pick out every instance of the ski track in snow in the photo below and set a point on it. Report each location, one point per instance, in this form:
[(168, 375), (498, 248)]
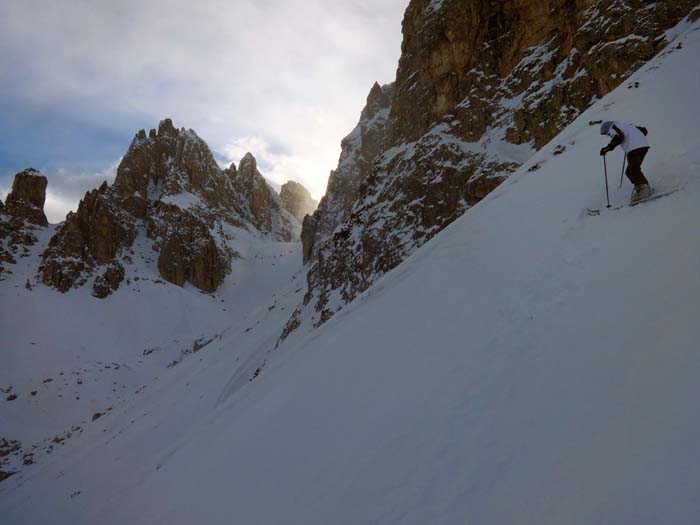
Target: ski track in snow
[(531, 364)]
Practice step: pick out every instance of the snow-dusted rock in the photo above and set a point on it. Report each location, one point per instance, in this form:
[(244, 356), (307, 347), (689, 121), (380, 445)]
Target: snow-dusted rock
[(90, 240), (21, 215), (169, 188), (188, 253), (26, 200), (358, 151), (261, 202)]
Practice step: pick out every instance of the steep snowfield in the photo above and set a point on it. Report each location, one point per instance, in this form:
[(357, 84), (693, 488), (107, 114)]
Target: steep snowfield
[(81, 355), (531, 364)]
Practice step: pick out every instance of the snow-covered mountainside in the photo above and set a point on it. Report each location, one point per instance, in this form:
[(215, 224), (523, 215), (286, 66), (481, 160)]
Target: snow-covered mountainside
[(177, 253), (480, 87), (530, 364), (71, 359)]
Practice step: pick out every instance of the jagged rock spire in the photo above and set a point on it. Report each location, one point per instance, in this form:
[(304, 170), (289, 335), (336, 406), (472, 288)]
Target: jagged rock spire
[(20, 216), (27, 198), (170, 188)]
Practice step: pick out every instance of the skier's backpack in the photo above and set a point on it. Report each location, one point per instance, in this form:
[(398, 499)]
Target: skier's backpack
[(643, 130)]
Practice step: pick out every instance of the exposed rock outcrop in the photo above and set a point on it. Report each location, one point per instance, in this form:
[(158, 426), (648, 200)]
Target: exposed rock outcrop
[(358, 151), (261, 202), (90, 241), (27, 198), (297, 200), (170, 189), (189, 253), (21, 216), (480, 87)]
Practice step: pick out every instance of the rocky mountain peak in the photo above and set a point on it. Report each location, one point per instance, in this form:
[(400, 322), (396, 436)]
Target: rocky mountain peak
[(166, 128), (248, 165), (231, 171), (378, 104), (358, 151), (167, 163), (297, 200), (260, 200), (378, 98), (169, 188), (27, 198), (21, 216)]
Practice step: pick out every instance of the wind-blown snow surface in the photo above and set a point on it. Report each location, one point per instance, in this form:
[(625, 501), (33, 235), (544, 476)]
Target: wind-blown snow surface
[(531, 364)]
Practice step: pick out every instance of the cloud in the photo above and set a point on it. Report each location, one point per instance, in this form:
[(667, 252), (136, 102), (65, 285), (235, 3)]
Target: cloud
[(67, 186), (277, 167), (289, 78)]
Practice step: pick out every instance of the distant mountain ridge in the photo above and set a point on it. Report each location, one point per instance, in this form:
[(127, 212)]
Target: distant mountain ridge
[(170, 191)]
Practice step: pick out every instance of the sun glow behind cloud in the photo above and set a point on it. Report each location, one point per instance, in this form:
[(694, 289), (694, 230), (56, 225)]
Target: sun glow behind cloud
[(285, 80)]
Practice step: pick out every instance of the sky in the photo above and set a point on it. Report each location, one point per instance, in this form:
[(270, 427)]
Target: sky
[(283, 79)]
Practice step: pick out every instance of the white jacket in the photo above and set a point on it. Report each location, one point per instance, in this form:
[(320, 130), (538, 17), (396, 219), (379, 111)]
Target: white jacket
[(634, 139)]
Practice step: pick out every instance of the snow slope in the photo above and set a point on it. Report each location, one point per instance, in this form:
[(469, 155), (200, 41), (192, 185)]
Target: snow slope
[(70, 356), (531, 364)]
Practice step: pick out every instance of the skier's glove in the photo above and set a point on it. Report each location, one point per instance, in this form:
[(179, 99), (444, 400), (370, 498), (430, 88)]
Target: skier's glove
[(604, 151)]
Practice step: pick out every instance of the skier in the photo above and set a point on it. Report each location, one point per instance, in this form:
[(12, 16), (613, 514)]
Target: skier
[(635, 145)]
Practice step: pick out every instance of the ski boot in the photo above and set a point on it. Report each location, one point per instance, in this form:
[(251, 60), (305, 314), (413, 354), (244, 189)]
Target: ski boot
[(640, 193)]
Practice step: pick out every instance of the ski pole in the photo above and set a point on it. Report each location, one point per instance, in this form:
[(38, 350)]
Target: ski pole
[(623, 170), (607, 192)]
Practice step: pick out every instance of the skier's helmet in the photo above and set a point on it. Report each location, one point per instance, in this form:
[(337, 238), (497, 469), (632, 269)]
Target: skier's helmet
[(605, 127)]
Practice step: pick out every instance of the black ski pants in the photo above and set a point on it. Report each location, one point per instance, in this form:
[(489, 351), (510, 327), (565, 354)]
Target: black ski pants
[(634, 166)]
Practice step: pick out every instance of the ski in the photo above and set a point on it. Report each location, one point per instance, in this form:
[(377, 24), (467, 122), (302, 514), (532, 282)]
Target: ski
[(654, 196), (593, 212)]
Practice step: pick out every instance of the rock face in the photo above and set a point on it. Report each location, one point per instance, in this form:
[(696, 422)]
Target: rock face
[(169, 189), (26, 201), (358, 150), (90, 240), (297, 200), (261, 202), (480, 87), (21, 216)]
